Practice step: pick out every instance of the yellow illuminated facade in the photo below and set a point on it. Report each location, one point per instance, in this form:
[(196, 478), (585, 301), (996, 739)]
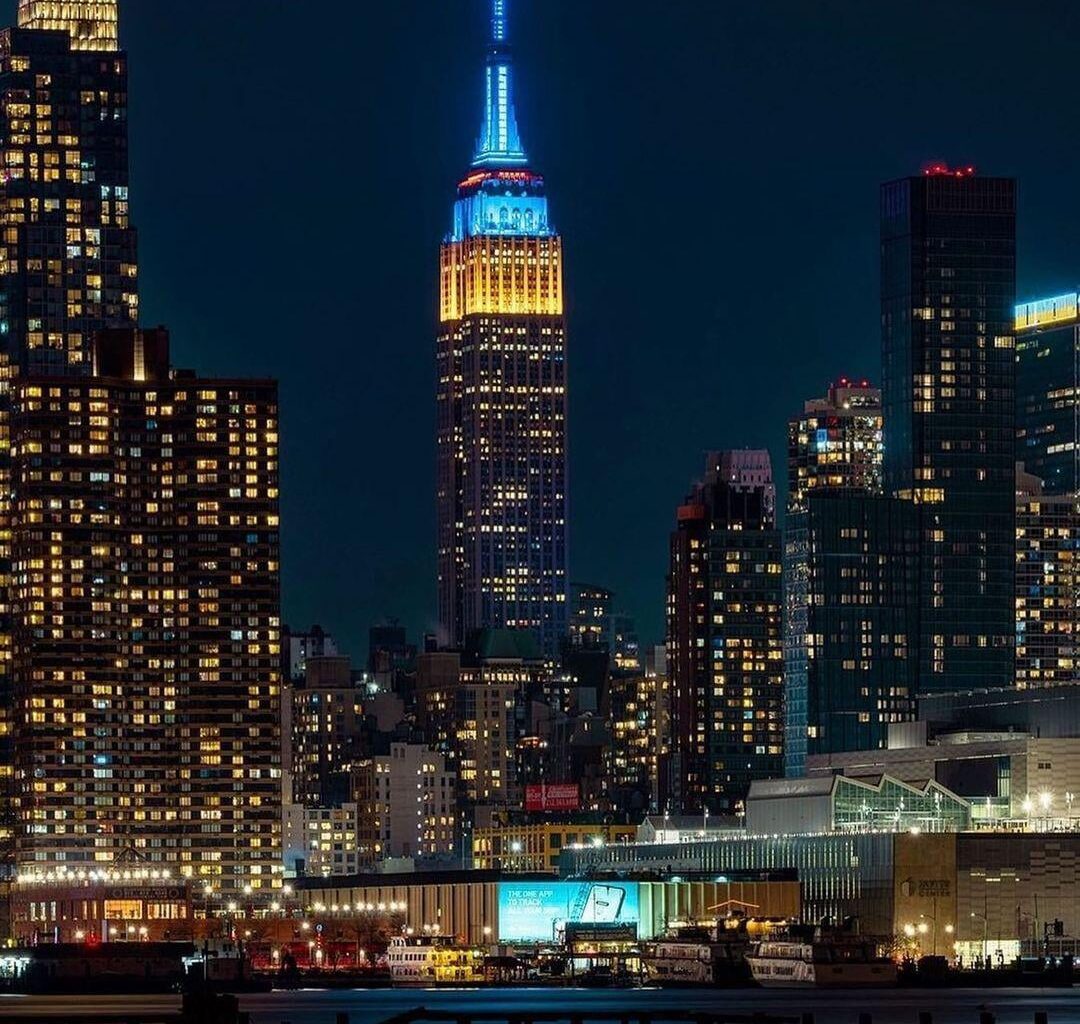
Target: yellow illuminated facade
[(92, 24), (498, 274), (501, 405), (536, 847), (1060, 309), (146, 620)]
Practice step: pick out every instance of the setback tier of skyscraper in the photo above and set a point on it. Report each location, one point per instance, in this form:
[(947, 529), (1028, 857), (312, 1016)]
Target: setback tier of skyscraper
[(68, 263), (501, 404), (948, 285)]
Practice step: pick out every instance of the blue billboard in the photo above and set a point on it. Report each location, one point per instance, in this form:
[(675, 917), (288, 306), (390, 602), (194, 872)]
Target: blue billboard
[(540, 911)]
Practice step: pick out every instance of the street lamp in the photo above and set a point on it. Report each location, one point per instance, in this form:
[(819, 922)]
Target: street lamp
[(981, 917)]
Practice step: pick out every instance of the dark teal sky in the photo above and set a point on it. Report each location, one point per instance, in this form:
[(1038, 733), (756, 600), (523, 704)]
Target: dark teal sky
[(712, 166)]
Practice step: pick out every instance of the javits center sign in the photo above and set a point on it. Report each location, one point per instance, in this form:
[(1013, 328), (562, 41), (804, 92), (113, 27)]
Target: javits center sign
[(540, 911)]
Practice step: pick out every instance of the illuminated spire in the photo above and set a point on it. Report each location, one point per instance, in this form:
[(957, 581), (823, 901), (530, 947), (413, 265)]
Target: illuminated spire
[(90, 23), (499, 144)]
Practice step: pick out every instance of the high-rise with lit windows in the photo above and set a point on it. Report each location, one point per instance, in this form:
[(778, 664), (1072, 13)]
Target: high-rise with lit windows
[(146, 621), (68, 253), (835, 444), (68, 262), (1048, 391), (724, 640), (948, 289), (850, 581), (501, 406)]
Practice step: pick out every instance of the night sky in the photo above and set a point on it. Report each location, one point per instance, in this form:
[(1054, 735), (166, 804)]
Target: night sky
[(713, 168)]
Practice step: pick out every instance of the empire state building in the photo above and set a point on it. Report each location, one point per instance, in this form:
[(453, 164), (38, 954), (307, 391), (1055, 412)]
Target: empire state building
[(502, 482)]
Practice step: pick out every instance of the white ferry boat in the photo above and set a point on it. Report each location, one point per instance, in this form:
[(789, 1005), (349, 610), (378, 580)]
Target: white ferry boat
[(431, 961), (678, 963), (820, 964)]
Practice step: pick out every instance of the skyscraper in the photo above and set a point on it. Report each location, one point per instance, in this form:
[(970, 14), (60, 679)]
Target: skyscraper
[(851, 576), (68, 262), (146, 618), (724, 641), (948, 285), (851, 600), (501, 402), (68, 253)]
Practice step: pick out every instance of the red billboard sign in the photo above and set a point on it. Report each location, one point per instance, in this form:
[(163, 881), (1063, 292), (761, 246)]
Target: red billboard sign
[(559, 796)]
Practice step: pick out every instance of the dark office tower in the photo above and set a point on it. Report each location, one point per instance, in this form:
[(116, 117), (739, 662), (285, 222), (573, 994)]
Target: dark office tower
[(501, 408), (146, 639), (948, 270), (68, 263), (724, 639), (1048, 391), (851, 599), (836, 443)]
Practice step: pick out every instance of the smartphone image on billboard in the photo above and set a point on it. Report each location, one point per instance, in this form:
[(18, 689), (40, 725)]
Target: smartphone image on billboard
[(604, 904)]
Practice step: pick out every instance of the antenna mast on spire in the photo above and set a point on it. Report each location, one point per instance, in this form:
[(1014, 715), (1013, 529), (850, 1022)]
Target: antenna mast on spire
[(499, 144)]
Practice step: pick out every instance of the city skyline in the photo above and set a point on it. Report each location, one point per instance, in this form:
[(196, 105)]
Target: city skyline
[(579, 103)]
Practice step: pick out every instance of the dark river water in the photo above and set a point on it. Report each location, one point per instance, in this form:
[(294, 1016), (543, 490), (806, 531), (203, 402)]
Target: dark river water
[(900, 1006)]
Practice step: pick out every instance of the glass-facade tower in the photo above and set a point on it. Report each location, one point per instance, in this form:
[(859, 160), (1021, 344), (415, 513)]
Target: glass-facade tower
[(850, 582), (1048, 391), (501, 401), (948, 284)]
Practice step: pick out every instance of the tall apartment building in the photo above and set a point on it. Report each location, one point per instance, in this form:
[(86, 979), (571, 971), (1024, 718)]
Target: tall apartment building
[(724, 641), (1047, 511), (68, 262), (850, 581), (501, 401), (145, 618), (948, 286), (327, 732), (1047, 586)]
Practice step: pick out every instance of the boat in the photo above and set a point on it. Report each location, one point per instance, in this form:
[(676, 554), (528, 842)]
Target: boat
[(432, 961), (696, 954), (821, 960), (674, 962)]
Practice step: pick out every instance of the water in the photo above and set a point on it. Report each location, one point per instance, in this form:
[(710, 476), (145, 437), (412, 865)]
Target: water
[(899, 1006)]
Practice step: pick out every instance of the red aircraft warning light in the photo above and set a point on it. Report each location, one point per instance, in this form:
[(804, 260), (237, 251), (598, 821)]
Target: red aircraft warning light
[(940, 170)]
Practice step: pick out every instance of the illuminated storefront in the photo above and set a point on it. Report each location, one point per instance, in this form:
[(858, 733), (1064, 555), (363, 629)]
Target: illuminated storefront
[(99, 906)]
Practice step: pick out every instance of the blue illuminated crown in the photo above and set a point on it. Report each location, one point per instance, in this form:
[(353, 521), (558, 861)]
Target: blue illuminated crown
[(499, 144)]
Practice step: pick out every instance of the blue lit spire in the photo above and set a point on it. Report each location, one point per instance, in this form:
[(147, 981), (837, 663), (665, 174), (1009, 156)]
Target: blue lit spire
[(499, 144)]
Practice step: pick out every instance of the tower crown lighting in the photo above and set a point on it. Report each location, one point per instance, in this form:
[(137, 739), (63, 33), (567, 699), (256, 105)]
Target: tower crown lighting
[(92, 24), (499, 144)]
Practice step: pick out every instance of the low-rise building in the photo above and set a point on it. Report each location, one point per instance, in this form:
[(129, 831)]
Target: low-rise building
[(836, 803), (963, 894), (1010, 778), (535, 847), (322, 840)]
